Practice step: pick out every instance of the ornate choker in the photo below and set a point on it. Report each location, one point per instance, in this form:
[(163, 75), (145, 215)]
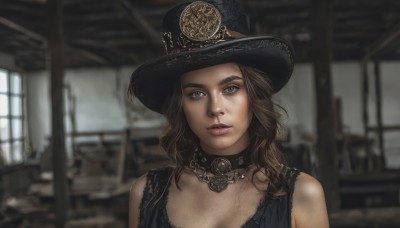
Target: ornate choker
[(220, 165), (226, 169)]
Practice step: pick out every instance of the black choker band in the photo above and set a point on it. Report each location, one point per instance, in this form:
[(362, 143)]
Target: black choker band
[(219, 165)]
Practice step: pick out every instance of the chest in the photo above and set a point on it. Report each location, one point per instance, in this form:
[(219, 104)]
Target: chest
[(200, 207), (163, 205)]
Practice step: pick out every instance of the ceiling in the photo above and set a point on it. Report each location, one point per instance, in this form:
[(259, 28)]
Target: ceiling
[(125, 32)]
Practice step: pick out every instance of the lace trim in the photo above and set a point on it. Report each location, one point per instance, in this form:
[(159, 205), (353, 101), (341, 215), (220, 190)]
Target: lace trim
[(157, 189), (258, 218), (155, 192)]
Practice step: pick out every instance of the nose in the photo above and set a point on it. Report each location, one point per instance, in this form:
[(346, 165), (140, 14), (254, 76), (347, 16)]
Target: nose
[(215, 106)]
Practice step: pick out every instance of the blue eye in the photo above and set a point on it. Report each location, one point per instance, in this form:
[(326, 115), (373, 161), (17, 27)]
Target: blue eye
[(196, 95), (231, 89)]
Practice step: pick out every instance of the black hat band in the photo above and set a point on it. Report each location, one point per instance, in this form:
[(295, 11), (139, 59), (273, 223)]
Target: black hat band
[(184, 44)]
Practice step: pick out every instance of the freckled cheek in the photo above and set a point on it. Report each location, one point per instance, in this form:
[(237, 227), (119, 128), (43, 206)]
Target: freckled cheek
[(241, 107), (192, 113)]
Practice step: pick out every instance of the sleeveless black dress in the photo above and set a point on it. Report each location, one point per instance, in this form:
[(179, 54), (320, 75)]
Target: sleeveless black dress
[(271, 213)]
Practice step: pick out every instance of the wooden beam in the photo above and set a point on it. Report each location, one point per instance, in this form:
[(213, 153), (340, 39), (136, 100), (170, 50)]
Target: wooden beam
[(27, 32), (125, 146), (385, 128), (378, 95), (35, 1), (88, 55), (382, 42), (138, 20), (321, 33), (56, 51), (364, 104), (33, 35), (104, 45)]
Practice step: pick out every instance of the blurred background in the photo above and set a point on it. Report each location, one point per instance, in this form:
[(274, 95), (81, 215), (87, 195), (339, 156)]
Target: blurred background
[(72, 142)]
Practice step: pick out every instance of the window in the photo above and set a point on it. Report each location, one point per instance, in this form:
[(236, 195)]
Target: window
[(11, 117)]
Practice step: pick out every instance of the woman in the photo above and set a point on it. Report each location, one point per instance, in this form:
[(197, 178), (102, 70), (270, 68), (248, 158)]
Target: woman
[(215, 86)]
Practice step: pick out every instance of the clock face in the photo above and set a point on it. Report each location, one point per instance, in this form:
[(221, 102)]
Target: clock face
[(200, 21)]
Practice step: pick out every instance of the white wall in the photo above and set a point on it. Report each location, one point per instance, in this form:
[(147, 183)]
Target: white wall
[(298, 97), (346, 82), (102, 104), (391, 110), (38, 101)]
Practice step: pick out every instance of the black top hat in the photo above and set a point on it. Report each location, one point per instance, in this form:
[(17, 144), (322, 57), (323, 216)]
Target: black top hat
[(198, 34)]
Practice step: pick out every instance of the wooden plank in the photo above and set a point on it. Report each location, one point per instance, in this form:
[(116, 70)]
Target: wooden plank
[(107, 47), (379, 121), (321, 30), (384, 41), (365, 92), (33, 35), (382, 188), (16, 27), (56, 49), (365, 116), (366, 217), (100, 221), (125, 142), (138, 20), (373, 177), (88, 55), (385, 128), (96, 133)]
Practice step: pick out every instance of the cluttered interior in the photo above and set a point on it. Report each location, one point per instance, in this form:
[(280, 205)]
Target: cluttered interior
[(73, 140)]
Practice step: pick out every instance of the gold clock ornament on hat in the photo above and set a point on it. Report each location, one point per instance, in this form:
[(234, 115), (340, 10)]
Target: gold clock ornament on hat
[(200, 21)]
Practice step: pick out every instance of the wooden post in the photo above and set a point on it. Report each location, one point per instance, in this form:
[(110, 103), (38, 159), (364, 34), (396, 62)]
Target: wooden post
[(56, 44), (379, 122), (383, 42), (321, 31), (364, 96), (365, 116)]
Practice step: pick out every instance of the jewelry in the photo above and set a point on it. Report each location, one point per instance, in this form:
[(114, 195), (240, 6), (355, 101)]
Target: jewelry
[(200, 26), (217, 183), (219, 165), (200, 21)]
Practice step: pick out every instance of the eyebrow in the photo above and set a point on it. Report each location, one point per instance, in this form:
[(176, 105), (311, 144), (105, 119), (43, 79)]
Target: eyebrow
[(224, 81)]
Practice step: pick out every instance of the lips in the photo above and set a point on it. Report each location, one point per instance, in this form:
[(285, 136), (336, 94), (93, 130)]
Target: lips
[(218, 129)]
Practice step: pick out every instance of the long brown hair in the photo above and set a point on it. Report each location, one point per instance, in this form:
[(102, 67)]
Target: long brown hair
[(180, 142)]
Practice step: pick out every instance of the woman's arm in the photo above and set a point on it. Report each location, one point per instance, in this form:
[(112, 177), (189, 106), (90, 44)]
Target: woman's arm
[(309, 207), (135, 197)]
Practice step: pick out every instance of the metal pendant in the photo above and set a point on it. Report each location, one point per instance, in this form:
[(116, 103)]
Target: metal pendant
[(220, 166), (218, 183)]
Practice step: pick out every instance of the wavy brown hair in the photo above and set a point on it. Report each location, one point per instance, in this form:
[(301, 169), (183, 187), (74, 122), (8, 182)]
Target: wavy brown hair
[(180, 142)]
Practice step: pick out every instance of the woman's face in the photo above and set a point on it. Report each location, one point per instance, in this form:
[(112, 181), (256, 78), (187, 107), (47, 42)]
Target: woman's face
[(216, 106)]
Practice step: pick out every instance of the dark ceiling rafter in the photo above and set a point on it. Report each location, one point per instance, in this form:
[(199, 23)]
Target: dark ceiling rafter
[(44, 41), (382, 42), (88, 54), (126, 32), (14, 26), (107, 47), (138, 20)]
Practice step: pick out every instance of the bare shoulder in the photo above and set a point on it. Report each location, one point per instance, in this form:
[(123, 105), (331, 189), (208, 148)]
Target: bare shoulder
[(309, 207), (138, 186), (135, 198), (307, 188)]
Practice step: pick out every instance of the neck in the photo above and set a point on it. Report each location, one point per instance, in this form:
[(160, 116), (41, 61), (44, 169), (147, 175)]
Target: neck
[(219, 165), (237, 147)]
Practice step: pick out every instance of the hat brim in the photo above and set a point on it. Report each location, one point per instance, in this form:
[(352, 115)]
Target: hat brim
[(152, 81)]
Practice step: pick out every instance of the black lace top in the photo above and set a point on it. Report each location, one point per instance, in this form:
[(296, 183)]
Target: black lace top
[(271, 213)]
